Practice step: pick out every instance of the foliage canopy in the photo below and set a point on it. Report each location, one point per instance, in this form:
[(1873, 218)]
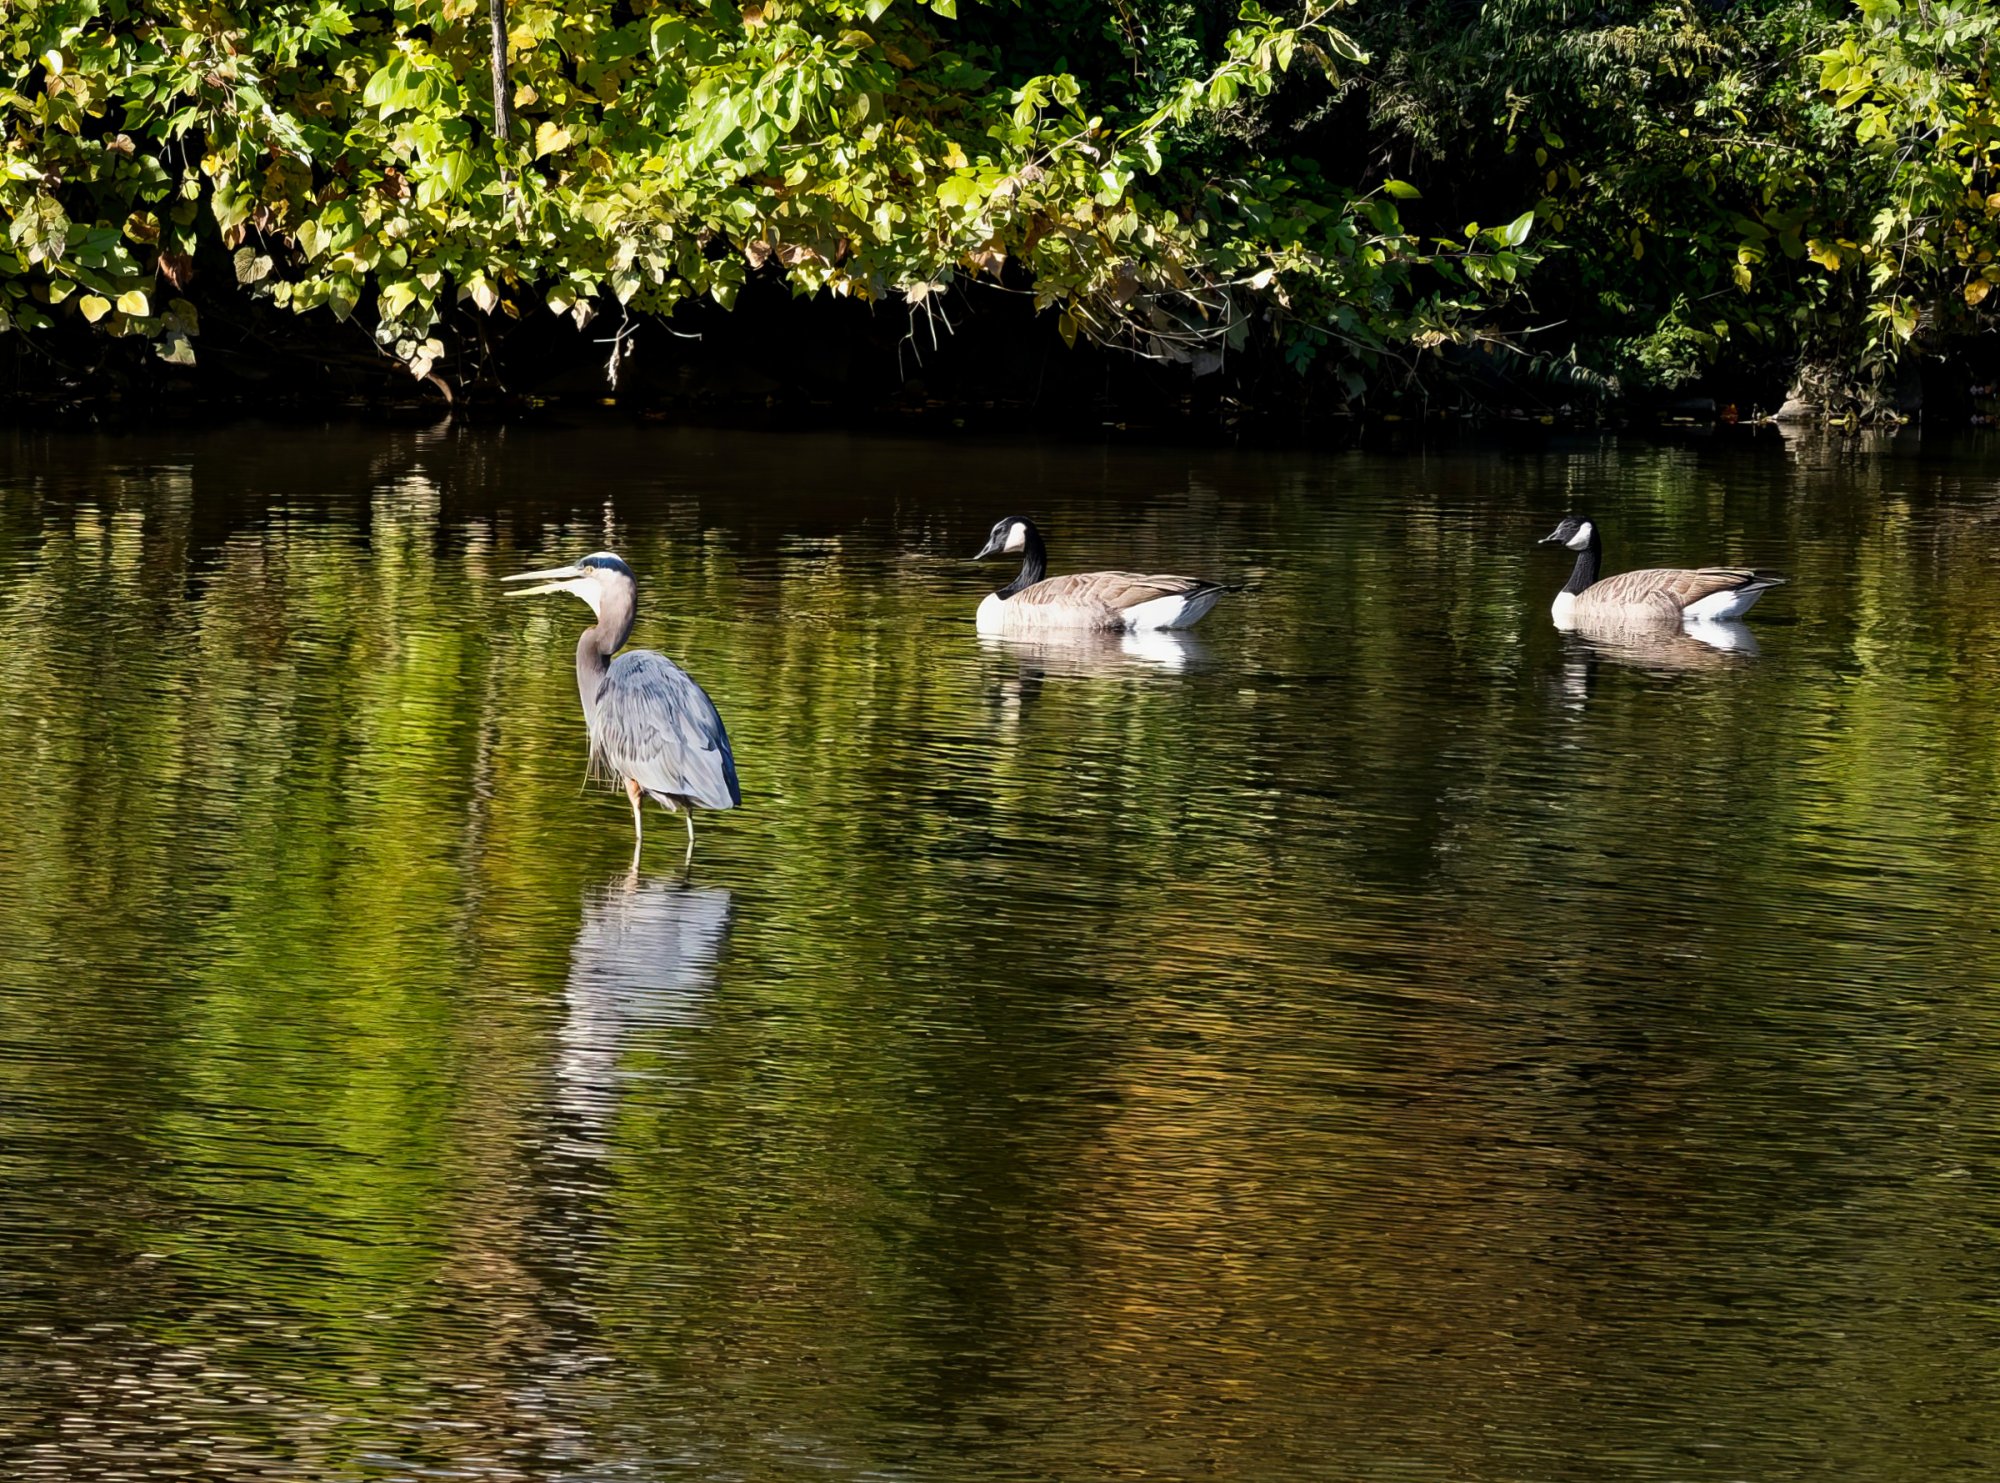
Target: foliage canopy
[(1771, 179)]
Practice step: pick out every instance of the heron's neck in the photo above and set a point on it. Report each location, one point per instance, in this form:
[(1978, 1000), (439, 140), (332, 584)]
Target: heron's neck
[(600, 641), (1034, 562), (1587, 562)]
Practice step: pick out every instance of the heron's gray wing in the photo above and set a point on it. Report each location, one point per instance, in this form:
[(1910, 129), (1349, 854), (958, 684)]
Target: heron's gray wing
[(654, 724)]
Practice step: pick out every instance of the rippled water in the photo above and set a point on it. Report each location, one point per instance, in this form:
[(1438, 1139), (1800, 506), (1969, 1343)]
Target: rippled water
[(1375, 1038)]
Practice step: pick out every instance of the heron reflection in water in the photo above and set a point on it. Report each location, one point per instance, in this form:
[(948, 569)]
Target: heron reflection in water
[(652, 728), (644, 960)]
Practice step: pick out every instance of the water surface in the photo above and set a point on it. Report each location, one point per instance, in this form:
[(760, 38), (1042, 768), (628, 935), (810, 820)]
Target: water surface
[(1377, 1037)]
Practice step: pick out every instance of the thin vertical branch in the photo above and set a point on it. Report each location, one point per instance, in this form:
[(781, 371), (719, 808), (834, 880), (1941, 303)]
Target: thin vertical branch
[(503, 121), (503, 103)]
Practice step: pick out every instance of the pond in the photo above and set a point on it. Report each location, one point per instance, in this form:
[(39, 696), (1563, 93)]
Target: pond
[(1376, 1037)]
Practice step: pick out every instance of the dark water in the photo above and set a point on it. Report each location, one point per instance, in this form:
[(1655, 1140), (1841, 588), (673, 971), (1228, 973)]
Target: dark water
[(1378, 1039)]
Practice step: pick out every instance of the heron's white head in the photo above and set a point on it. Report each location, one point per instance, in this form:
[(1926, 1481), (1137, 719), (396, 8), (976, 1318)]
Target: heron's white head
[(593, 578), (1009, 537)]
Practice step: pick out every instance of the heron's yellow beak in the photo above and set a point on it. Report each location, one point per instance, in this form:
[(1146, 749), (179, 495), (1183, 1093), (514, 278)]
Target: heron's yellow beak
[(555, 579)]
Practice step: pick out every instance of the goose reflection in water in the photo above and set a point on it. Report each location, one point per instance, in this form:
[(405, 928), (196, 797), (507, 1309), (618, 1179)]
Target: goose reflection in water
[(1089, 655), (1699, 648), (644, 961), (1084, 655)]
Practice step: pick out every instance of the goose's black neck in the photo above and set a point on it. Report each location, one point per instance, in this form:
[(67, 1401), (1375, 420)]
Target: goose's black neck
[(1034, 562), (1587, 562)]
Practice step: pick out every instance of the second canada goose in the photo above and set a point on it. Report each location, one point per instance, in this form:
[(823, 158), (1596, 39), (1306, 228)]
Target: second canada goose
[(1658, 595), (1085, 600)]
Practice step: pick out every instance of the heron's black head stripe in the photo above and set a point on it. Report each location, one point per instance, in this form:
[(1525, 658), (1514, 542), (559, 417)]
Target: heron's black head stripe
[(608, 562)]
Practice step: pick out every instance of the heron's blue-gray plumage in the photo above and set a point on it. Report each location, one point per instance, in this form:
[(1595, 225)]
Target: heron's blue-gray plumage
[(651, 722), (653, 730)]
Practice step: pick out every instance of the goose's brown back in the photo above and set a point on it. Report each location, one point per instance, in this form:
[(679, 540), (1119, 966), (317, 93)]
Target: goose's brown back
[(1665, 591), (1098, 599)]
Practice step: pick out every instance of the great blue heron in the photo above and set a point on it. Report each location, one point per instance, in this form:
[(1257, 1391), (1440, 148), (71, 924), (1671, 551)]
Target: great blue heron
[(652, 727)]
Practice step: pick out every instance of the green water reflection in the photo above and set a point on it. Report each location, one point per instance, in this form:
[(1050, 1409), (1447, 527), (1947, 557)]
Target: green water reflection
[(1379, 1037)]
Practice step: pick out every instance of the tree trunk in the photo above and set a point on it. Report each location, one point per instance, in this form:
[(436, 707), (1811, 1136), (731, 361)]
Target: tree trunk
[(503, 122)]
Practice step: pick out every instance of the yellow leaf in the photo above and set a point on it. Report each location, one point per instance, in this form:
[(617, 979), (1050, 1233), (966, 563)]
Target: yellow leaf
[(133, 302), (94, 307), (1976, 291), (550, 137)]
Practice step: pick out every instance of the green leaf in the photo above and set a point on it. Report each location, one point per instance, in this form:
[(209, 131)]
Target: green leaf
[(133, 302), (1402, 190), (399, 85), (1516, 231), (93, 307)]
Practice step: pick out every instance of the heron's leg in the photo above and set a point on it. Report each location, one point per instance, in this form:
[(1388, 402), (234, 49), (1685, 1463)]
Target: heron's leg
[(632, 792), (690, 822)]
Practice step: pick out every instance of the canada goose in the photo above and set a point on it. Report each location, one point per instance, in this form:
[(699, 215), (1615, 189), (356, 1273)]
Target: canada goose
[(1105, 600), (1656, 596)]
